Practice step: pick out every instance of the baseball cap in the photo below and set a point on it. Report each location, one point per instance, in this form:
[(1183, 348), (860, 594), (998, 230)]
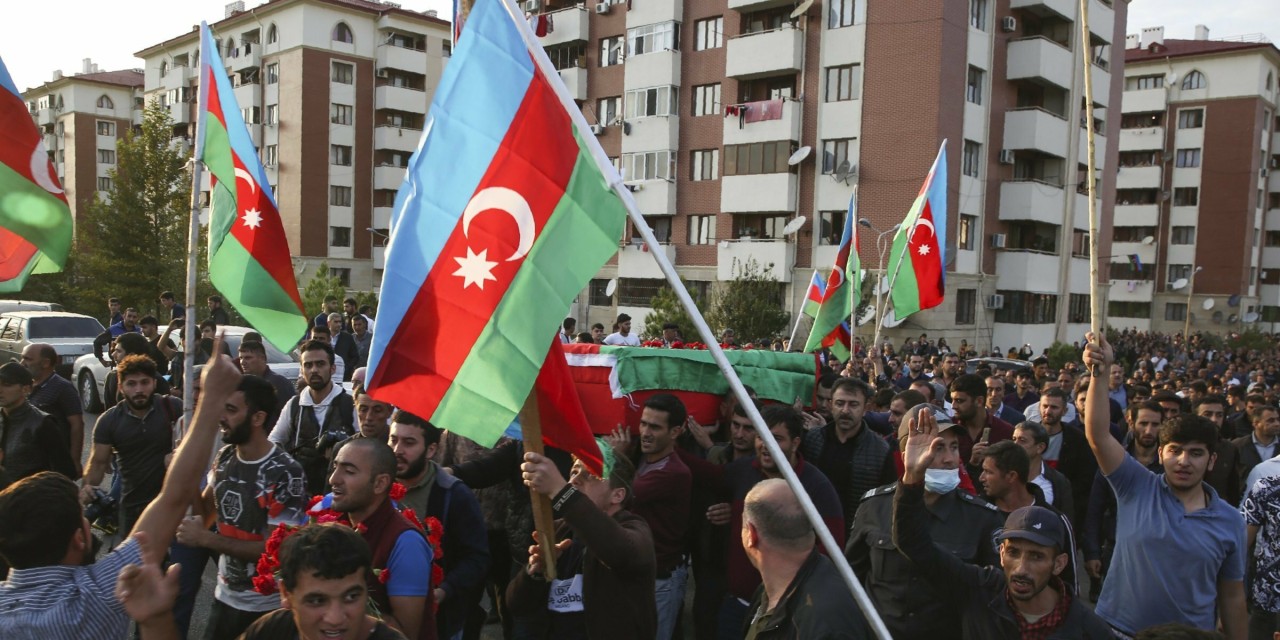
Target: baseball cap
[(13, 373), (944, 420), (1034, 524)]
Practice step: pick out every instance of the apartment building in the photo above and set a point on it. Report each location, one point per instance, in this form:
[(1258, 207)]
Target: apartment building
[(1196, 204), (335, 94), (730, 118), (82, 116)]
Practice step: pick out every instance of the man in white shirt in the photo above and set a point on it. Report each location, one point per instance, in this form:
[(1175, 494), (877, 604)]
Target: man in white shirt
[(322, 415), (623, 336)]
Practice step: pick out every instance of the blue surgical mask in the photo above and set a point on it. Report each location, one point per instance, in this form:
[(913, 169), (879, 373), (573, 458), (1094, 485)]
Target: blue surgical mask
[(941, 481)]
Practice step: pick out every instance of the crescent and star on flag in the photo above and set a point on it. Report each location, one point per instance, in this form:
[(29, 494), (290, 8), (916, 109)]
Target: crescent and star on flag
[(251, 216), (921, 246), (476, 268)]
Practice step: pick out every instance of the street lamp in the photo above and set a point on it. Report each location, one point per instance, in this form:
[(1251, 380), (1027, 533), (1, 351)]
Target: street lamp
[(373, 280), (1186, 324), (881, 247)]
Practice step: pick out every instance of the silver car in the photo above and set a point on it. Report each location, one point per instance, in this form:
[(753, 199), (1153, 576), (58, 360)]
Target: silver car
[(71, 334), (91, 375)]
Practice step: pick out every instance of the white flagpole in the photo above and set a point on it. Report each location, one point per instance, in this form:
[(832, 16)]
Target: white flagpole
[(713, 346), (903, 258), (800, 315), (190, 328)]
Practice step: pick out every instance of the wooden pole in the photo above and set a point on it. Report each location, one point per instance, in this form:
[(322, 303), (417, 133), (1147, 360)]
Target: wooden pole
[(1095, 295), (543, 518)]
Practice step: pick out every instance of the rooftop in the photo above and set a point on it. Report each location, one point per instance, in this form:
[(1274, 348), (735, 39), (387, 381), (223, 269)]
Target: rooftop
[(1173, 48)]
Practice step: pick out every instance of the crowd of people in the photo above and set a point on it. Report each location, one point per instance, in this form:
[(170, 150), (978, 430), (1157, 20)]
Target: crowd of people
[(1133, 492)]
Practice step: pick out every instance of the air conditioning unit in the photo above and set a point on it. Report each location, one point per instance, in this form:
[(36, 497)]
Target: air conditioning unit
[(597, 129), (1264, 172), (995, 301), (532, 6), (1009, 24), (1006, 156), (635, 186), (383, 73), (602, 8), (999, 240)]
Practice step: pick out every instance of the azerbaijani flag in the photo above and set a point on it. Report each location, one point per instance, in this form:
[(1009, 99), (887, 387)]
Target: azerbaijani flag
[(813, 296), (504, 216), (920, 283), (248, 252), (35, 221), (843, 292)]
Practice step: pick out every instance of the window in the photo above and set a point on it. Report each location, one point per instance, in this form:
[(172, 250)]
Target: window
[(342, 274), (834, 154), (978, 14), (708, 34), (705, 164), (104, 183), (1129, 309), (342, 33), (650, 165), (106, 128), (664, 36), (706, 100), (966, 305), (340, 154), (272, 114), (1175, 311), (273, 35), (1188, 158), (1191, 118), (251, 115), (967, 232), (831, 227), (1142, 120), (164, 68), (339, 196), (1039, 237), (1132, 234), (104, 102), (611, 51), (1178, 272), (765, 226), (839, 13), (756, 158), (596, 295), (1182, 235), (1024, 307), (1272, 239), (972, 161), (654, 101), (1139, 158), (340, 113), (608, 110), (1194, 80), (1127, 197), (775, 88), (1142, 83), (973, 88), (343, 73), (702, 229), (273, 73), (1273, 200), (638, 292), (659, 225), (568, 56), (843, 83), (1078, 308), (106, 156), (1131, 270), (270, 155), (339, 236), (1186, 196)]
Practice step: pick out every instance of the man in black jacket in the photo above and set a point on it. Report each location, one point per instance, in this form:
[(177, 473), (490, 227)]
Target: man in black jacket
[(30, 442), (1025, 596)]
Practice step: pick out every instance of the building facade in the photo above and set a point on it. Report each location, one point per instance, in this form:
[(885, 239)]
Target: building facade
[(82, 117), (1196, 202), (335, 94)]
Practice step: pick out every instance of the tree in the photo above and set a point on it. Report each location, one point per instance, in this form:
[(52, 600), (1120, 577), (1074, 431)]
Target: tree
[(322, 285), (667, 308), (750, 304), (1060, 353)]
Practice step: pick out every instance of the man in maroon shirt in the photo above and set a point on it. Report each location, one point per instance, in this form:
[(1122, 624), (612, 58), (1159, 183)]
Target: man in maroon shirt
[(968, 401)]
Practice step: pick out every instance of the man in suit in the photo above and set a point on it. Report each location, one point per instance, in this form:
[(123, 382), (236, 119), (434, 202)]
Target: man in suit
[(343, 345), (996, 391), (1260, 444)]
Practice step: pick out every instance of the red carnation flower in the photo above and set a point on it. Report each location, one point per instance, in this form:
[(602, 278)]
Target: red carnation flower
[(677, 345), (360, 528), (266, 585), (397, 491), (314, 501), (412, 517), (384, 575)]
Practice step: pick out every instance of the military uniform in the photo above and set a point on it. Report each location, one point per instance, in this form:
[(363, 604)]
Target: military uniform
[(962, 524)]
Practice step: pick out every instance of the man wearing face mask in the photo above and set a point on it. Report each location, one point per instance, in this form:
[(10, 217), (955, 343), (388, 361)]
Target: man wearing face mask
[(960, 523)]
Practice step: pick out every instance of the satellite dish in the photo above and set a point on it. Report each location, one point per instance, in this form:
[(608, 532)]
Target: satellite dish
[(842, 172), (794, 226), (867, 316), (1208, 304), (1149, 240), (1233, 301), (799, 156), (1178, 284), (1173, 77), (1217, 317), (611, 287), (1233, 318), (802, 9), (1251, 317), (891, 320)]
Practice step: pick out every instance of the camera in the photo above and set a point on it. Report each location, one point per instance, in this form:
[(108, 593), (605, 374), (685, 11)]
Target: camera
[(103, 509)]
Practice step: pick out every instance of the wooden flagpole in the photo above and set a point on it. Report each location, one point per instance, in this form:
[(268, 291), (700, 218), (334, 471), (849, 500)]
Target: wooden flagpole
[(1095, 295), (190, 328), (543, 518)]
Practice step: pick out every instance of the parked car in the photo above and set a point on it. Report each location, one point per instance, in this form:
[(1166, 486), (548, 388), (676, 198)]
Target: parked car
[(71, 334), (28, 305), (91, 375), (995, 364)]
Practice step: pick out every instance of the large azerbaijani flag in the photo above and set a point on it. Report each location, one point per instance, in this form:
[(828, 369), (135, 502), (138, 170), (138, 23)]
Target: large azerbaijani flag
[(35, 221), (505, 214), (843, 292), (920, 282), (248, 252)]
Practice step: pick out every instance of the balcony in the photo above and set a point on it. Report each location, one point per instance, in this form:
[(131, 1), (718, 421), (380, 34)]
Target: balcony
[(657, 69), (1101, 86), (766, 53), (248, 95), (1028, 271), (758, 193), (390, 56), (180, 112), (1102, 20), (738, 131), (379, 257), (1036, 129), (1130, 291), (247, 56), (1040, 60), (1145, 100), (635, 261), (382, 217), (1137, 215), (746, 6), (1143, 139), (51, 142), (388, 177), (733, 255), (178, 77), (400, 98), (1031, 200), (396, 138), (575, 80), (1063, 8), (572, 25), (654, 197), (1138, 177)]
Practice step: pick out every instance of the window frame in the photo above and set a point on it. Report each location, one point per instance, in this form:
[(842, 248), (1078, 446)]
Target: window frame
[(708, 33), (842, 83)]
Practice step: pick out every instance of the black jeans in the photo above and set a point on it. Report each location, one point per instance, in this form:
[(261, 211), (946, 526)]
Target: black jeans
[(227, 623)]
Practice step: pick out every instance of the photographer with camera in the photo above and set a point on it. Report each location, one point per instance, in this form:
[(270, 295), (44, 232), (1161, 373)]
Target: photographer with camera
[(322, 415)]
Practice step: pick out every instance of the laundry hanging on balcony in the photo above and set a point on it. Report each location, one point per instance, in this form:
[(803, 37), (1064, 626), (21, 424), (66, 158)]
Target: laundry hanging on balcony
[(764, 110)]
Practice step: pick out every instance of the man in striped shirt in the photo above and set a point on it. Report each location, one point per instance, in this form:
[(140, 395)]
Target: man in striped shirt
[(55, 590)]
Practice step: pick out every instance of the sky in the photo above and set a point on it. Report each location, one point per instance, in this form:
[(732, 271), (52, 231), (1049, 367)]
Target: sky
[(64, 32)]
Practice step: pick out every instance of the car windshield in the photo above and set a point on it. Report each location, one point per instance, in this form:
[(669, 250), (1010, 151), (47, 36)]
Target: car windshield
[(63, 327)]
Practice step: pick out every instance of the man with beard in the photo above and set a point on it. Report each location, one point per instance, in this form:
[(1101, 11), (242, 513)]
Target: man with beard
[(433, 494), (321, 333), (952, 368), (981, 428), (995, 401), (319, 417), (1024, 394), (742, 439), (1068, 450), (30, 442), (253, 361), (254, 487), (56, 590), (914, 372), (852, 456), (362, 476), (139, 431)]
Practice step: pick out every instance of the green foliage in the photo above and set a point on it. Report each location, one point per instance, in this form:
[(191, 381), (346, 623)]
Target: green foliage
[(366, 297), (751, 304), (667, 308), (320, 286), (1060, 353), (1251, 339)]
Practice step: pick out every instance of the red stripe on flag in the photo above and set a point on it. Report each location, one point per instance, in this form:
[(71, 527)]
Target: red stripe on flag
[(564, 424), (448, 314), (265, 239), (19, 141), (927, 264)]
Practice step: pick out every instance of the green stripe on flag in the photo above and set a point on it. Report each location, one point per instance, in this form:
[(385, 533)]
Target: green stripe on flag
[(37, 216), (222, 208), (580, 236), (906, 291), (773, 375), (256, 295)]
